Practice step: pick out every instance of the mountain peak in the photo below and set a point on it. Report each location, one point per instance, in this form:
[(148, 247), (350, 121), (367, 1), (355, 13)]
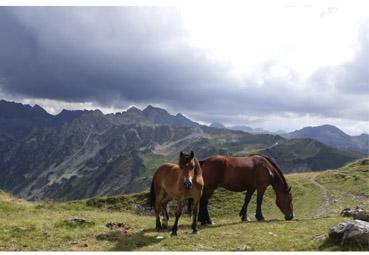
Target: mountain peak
[(331, 136), (150, 109), (133, 109), (217, 125)]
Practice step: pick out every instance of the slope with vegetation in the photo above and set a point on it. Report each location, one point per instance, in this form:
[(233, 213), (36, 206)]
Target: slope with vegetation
[(41, 225), (79, 154)]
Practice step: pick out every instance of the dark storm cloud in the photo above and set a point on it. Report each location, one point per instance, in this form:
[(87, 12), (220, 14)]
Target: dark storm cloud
[(73, 54), (132, 55)]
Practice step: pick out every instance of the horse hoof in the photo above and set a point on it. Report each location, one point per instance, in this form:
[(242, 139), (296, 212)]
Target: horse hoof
[(260, 219), (245, 219), (195, 232), (173, 234)]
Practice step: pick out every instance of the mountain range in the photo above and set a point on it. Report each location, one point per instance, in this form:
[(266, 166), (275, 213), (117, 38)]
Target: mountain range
[(79, 154), (334, 137), (327, 134)]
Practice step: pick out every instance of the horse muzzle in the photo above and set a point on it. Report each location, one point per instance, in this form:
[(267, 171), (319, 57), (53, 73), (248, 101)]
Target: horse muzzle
[(188, 184), (288, 217)]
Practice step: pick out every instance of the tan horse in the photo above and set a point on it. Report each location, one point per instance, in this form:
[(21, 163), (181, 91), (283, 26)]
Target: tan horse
[(178, 182)]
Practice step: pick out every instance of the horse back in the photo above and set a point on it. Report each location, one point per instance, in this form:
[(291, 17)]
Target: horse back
[(213, 170), (235, 173), (166, 170)]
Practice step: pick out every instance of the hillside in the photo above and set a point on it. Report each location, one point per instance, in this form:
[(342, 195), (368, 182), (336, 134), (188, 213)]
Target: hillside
[(79, 154), (318, 199), (334, 137)]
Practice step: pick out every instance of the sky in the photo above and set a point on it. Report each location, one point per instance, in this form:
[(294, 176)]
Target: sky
[(281, 65)]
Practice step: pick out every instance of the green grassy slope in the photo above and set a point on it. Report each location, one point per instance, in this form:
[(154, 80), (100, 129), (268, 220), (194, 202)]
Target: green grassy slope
[(40, 225)]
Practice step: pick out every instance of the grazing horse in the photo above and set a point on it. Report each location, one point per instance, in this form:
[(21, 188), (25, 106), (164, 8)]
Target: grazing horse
[(177, 182), (238, 174)]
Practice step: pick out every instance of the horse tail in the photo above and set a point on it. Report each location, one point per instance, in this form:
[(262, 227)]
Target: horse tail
[(277, 168), (152, 194)]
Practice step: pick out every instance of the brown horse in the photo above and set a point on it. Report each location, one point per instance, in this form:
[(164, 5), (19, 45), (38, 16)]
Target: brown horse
[(244, 173), (177, 182)]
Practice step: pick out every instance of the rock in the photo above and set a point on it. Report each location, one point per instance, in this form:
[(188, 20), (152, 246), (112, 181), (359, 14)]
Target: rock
[(335, 248), (21, 229), (160, 237), (350, 231), (74, 242), (243, 247), (77, 221), (348, 212), (45, 234), (362, 215), (115, 225), (272, 234), (318, 236)]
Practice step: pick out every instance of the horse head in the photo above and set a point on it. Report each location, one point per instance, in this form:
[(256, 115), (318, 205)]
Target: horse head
[(190, 167), (284, 202)]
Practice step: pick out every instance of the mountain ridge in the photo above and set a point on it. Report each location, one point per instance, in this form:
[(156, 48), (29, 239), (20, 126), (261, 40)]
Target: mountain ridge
[(332, 136), (92, 153)]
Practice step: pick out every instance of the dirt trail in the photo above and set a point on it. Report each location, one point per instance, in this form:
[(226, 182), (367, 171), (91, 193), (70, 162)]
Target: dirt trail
[(322, 210)]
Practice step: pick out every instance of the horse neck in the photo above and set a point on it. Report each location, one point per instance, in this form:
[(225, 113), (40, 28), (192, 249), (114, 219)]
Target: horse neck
[(278, 185)]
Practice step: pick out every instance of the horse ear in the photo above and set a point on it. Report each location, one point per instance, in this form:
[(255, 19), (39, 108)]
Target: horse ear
[(289, 189), (181, 154), (192, 154)]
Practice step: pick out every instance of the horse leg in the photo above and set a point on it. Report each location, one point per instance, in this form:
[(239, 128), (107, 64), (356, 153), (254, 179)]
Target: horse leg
[(259, 200), (204, 216), (178, 214), (189, 205), (202, 213), (243, 212), (165, 215), (157, 213), (194, 215), (207, 216)]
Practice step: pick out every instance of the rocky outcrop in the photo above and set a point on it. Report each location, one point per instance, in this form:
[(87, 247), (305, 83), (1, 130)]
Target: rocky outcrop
[(350, 232), (350, 212), (362, 215), (357, 213)]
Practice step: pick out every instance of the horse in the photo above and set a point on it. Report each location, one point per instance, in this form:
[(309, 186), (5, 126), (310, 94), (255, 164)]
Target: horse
[(255, 172), (179, 182)]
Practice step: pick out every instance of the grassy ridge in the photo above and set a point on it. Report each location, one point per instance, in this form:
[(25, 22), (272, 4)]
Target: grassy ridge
[(40, 225)]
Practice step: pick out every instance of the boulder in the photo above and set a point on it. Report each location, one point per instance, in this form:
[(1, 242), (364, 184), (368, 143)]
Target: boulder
[(362, 215), (349, 212), (350, 231), (77, 222)]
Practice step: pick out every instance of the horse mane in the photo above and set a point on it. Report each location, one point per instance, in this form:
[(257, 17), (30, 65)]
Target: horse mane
[(278, 170), (197, 166)]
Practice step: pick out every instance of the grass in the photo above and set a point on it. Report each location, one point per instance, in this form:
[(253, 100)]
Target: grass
[(40, 225), (351, 178)]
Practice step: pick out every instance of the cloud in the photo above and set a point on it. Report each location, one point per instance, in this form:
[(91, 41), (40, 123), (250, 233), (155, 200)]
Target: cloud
[(100, 54), (118, 56)]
